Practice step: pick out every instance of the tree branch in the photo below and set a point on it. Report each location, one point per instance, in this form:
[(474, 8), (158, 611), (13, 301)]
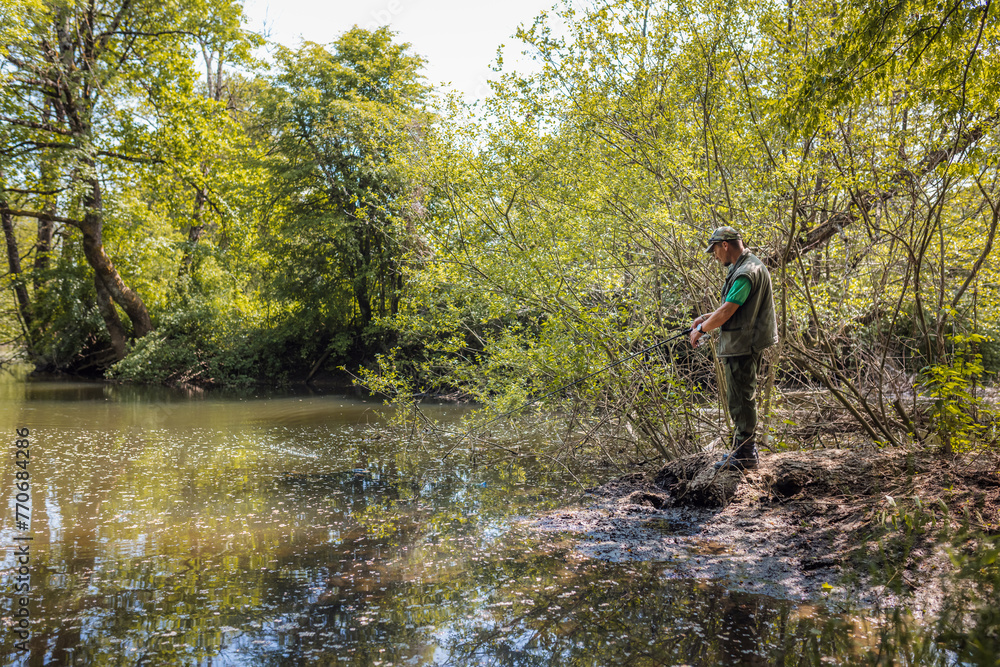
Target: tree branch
[(867, 201), (28, 146), (45, 127), (130, 158), (40, 215), (139, 33), (986, 249), (43, 193)]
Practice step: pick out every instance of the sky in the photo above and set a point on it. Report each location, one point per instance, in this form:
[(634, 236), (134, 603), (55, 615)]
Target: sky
[(458, 38)]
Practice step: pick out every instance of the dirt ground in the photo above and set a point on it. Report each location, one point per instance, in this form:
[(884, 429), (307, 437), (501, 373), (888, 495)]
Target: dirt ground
[(852, 526)]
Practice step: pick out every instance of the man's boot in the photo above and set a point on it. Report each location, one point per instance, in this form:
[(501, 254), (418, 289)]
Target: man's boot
[(744, 458)]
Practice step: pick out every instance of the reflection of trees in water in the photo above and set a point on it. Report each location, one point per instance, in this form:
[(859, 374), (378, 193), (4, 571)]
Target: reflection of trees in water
[(580, 612), (230, 552), (182, 555), (68, 507)]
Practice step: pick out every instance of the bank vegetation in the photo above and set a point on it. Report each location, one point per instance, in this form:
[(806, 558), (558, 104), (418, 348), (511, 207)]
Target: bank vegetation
[(177, 210)]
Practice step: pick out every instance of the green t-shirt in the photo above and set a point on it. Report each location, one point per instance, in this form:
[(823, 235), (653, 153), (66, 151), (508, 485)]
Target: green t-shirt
[(739, 292)]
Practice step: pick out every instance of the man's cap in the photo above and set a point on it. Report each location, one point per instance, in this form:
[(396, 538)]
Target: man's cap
[(722, 234)]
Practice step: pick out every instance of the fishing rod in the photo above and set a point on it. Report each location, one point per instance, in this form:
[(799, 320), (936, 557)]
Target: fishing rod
[(571, 384)]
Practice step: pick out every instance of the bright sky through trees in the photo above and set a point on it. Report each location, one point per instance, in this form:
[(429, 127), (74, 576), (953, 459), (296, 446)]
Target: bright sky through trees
[(459, 39)]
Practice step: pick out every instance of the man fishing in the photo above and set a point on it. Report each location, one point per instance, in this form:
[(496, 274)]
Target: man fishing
[(748, 327)]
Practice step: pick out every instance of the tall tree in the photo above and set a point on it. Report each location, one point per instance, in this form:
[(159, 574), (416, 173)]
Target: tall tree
[(339, 120), (95, 91)]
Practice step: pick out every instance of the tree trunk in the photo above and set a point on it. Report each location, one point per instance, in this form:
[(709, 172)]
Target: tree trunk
[(196, 230), (106, 275), (112, 322), (46, 226), (43, 248), (14, 264)]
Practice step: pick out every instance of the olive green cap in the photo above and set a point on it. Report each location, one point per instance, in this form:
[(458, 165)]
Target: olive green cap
[(722, 234)]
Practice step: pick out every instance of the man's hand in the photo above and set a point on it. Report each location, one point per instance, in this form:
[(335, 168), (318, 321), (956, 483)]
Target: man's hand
[(711, 321), (695, 336)]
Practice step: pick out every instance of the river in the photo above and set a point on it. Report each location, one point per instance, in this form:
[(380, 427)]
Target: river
[(296, 528)]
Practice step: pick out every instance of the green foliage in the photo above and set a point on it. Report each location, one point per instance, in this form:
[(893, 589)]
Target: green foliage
[(296, 232), (211, 334), (329, 212), (106, 133), (197, 341), (71, 330), (566, 230), (990, 351), (934, 55), (200, 343), (960, 417), (571, 208), (338, 122), (177, 352), (970, 621), (13, 23)]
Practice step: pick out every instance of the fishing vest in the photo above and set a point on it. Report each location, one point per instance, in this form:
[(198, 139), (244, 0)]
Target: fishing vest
[(752, 327)]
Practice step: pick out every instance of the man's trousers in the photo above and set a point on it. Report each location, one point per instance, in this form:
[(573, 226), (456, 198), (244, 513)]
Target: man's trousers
[(741, 393)]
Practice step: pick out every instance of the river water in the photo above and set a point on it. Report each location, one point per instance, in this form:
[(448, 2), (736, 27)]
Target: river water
[(294, 528)]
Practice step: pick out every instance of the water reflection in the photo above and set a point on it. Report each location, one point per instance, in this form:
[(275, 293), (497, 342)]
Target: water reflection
[(565, 609), (174, 529)]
